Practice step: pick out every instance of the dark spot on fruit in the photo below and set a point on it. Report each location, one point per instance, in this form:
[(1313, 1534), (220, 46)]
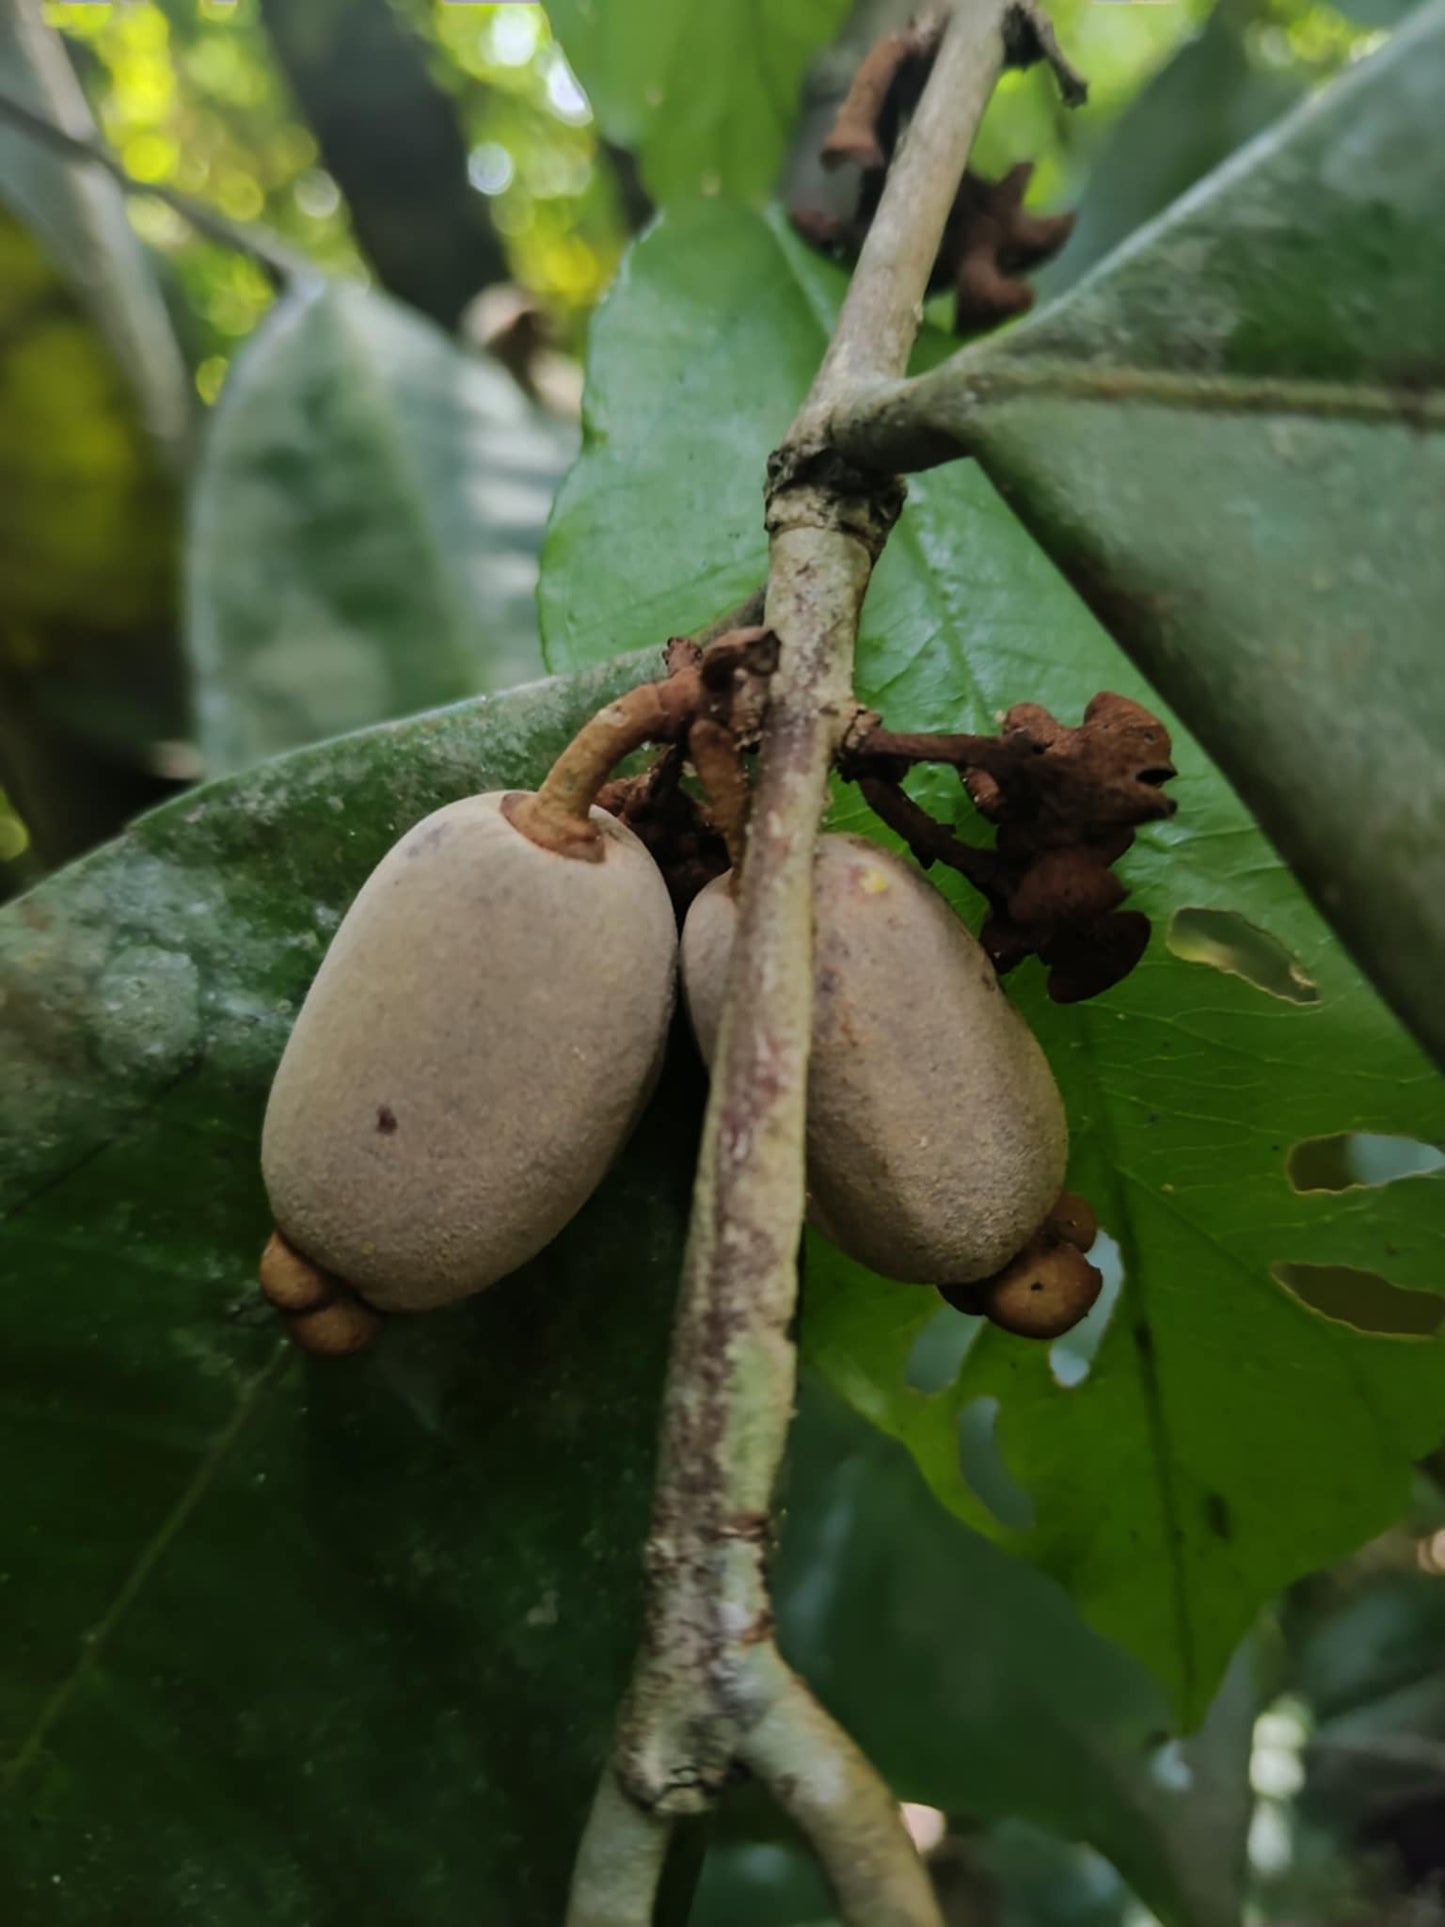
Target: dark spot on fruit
[(1216, 1513), (425, 839), (1037, 1285), (385, 1120)]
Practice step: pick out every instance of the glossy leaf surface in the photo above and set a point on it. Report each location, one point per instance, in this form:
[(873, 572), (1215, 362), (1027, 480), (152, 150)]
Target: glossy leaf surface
[(293, 1638)]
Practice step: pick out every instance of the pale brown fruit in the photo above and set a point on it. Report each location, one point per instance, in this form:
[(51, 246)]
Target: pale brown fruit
[(936, 1135), (479, 1041)]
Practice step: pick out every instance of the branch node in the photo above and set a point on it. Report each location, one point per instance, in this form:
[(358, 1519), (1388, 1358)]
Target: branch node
[(1029, 37), (810, 485)]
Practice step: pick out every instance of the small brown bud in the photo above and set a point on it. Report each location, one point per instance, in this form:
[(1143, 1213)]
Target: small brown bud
[(335, 1330), (291, 1282), (1044, 1292), (320, 1311), (1072, 1221)]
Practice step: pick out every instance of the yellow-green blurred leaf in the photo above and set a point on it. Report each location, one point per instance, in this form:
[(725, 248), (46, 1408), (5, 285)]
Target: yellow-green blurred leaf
[(79, 214)]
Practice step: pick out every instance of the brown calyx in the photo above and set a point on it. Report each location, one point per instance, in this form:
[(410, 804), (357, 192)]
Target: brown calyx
[(888, 82), (990, 241), (1066, 803), (723, 692), (680, 833), (1049, 1287), (1067, 807), (320, 1311)]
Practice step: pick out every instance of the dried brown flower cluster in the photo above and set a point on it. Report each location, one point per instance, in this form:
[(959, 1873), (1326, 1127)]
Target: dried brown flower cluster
[(1066, 803), (990, 241)]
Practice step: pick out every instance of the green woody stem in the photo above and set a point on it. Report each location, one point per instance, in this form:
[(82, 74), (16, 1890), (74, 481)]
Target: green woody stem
[(710, 1690)]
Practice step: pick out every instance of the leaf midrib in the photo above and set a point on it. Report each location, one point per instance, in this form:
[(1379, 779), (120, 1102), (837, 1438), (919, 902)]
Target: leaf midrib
[(93, 1644)]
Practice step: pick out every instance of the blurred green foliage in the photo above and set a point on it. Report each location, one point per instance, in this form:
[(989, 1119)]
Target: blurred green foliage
[(1121, 48), (89, 671), (190, 95)]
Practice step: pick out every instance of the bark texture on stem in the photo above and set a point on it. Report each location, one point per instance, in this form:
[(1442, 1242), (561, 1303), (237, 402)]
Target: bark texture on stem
[(843, 1809), (884, 305), (619, 1863), (710, 1690), (730, 1387)]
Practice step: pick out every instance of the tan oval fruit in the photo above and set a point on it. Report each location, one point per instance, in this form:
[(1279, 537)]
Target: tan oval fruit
[(479, 1041), (936, 1135)]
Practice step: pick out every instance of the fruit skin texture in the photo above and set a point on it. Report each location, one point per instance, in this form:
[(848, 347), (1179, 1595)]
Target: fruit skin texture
[(479, 1041), (936, 1135)]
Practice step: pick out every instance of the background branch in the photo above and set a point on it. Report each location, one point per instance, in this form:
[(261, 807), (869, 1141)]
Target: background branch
[(279, 261)]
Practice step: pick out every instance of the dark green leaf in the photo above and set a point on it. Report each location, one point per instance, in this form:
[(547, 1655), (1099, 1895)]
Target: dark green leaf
[(90, 676), (284, 1639), (707, 95), (891, 1607), (767, 1883), (79, 215), (365, 527), (1276, 566), (1226, 1438), (1201, 106)]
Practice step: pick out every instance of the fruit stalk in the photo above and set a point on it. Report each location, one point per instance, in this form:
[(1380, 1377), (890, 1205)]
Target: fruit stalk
[(710, 1686), (558, 815)]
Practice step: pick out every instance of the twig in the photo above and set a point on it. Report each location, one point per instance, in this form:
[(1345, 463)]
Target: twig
[(881, 314), (935, 418), (702, 683), (843, 1809), (931, 841), (1030, 36), (558, 815), (710, 1687), (875, 745), (619, 1863), (280, 262)]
